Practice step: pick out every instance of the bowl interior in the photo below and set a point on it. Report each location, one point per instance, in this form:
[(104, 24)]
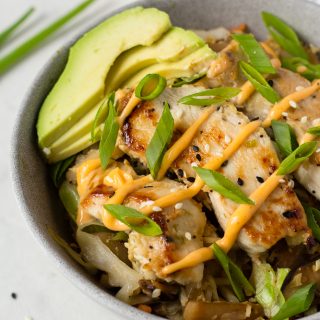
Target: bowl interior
[(38, 198)]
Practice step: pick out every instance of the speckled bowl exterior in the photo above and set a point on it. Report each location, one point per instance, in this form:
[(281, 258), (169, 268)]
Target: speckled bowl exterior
[(36, 195)]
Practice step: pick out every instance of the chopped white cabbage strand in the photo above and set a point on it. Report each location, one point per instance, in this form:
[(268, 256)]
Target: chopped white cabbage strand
[(268, 285), (99, 255)]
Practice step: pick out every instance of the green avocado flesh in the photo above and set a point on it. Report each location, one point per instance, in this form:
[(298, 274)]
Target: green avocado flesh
[(82, 83), (175, 44), (116, 54), (194, 63)]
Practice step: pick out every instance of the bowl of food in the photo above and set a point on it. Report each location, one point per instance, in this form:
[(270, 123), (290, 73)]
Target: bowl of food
[(167, 160)]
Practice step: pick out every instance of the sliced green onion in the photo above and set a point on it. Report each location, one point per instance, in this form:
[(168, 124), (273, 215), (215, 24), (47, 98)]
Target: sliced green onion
[(314, 130), (150, 87), (293, 160), (293, 63), (285, 137), (58, 170), (179, 82), (236, 277), (109, 133), (134, 219), (4, 35), (120, 236), (259, 82), (299, 302), (254, 52), (70, 199), (95, 228), (268, 283), (12, 57), (219, 183), (214, 96), (160, 141), (284, 35), (313, 218), (101, 113)]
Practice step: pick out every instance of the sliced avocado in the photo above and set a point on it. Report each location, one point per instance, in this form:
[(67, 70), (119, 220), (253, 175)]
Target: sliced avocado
[(175, 44), (82, 83), (196, 62)]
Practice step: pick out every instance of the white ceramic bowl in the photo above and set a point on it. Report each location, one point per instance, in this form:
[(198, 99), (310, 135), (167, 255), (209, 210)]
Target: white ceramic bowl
[(36, 195)]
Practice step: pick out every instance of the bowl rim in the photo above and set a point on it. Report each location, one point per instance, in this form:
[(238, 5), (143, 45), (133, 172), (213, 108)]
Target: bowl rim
[(88, 287)]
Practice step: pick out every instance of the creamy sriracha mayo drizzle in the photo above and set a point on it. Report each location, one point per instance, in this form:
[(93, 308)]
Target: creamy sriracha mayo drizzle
[(239, 217)]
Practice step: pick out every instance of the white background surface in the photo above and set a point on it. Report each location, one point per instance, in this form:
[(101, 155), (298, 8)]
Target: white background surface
[(43, 293)]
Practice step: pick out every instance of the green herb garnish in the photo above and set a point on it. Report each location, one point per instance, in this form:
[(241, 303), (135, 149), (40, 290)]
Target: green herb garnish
[(179, 82), (12, 57), (109, 133), (95, 228), (219, 183), (70, 198), (313, 218), (285, 137), (214, 96), (236, 277), (284, 35), (314, 130), (120, 236), (4, 35), (299, 302), (134, 219), (259, 82), (254, 52), (150, 87), (58, 170), (293, 63), (160, 141), (299, 155), (101, 113)]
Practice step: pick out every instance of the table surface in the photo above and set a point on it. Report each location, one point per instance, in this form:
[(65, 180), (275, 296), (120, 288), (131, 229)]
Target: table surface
[(43, 293)]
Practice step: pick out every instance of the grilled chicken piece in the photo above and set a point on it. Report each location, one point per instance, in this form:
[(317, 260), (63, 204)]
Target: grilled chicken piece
[(306, 115), (183, 226), (252, 163)]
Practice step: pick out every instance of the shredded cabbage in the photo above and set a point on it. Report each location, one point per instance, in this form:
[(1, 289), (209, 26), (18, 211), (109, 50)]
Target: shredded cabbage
[(119, 274), (268, 285)]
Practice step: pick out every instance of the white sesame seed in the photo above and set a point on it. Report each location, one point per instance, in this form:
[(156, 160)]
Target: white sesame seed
[(282, 180), (156, 209), (27, 318), (206, 147), (146, 203), (316, 122), (46, 151), (126, 244), (178, 205), (173, 190), (227, 139), (188, 235), (194, 164), (218, 153), (156, 293), (299, 88), (291, 184), (285, 114), (109, 179), (304, 119), (293, 104), (318, 150), (248, 310)]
